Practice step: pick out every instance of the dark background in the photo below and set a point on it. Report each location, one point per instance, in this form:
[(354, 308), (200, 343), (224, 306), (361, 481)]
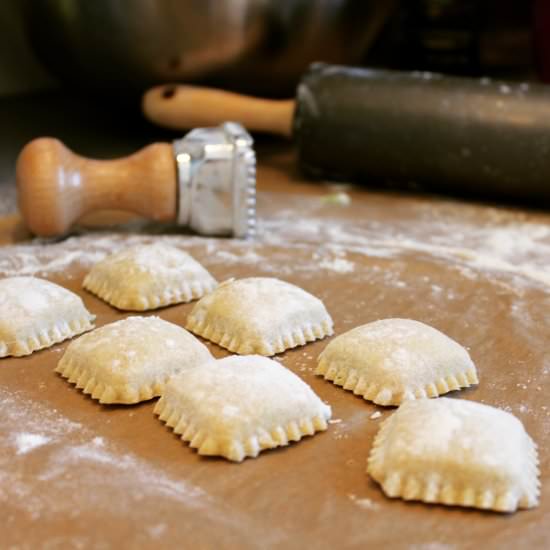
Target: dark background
[(495, 37), (500, 38)]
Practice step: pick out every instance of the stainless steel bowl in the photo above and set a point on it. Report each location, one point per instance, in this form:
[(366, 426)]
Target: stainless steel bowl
[(255, 46)]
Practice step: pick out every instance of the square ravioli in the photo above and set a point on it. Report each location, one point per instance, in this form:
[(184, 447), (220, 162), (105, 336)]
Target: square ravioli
[(148, 277), (36, 314), (260, 315), (456, 453), (130, 360), (238, 406), (394, 360)]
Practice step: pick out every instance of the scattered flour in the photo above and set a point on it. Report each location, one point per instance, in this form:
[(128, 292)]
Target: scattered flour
[(26, 442), (29, 426), (157, 530), (83, 477), (338, 265), (364, 503), (505, 244), (433, 546), (506, 249)]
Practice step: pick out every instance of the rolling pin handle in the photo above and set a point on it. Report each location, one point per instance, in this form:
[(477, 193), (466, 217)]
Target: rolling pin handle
[(183, 107)]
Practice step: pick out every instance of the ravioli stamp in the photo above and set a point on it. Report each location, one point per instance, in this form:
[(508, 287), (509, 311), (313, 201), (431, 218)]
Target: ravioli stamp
[(36, 314), (147, 277), (259, 315), (458, 453), (395, 360), (238, 406), (131, 360)]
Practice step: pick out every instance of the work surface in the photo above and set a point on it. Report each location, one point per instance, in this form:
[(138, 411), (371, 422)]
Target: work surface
[(76, 474)]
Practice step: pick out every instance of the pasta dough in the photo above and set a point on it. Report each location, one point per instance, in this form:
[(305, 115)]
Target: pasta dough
[(259, 316), (393, 360), (457, 453), (130, 360), (36, 314), (238, 406), (147, 277)]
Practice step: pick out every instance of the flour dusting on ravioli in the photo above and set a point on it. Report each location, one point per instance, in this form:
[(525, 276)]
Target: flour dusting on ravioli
[(260, 315), (238, 406), (456, 452), (394, 360), (131, 360), (147, 277), (36, 314)]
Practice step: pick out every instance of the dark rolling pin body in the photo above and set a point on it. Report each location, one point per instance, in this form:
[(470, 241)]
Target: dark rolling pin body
[(448, 134)]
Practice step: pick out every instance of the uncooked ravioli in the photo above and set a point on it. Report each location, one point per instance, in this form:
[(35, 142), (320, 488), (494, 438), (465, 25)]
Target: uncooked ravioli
[(131, 360), (147, 277), (394, 360), (36, 314), (456, 452), (238, 406), (260, 316)]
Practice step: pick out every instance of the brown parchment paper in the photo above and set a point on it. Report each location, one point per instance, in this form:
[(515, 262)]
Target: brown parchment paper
[(76, 474)]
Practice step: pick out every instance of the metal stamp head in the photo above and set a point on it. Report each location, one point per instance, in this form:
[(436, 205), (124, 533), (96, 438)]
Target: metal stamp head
[(217, 181)]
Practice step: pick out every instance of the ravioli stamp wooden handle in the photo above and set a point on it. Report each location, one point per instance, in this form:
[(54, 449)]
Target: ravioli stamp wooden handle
[(205, 181), (56, 187)]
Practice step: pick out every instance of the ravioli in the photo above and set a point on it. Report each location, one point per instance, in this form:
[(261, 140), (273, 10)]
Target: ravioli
[(394, 360), (131, 360), (147, 277), (36, 314), (259, 315), (238, 406), (456, 452)]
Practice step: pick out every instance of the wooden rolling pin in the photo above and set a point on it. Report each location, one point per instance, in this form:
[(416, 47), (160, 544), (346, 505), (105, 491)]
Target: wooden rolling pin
[(211, 190), (448, 134)]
